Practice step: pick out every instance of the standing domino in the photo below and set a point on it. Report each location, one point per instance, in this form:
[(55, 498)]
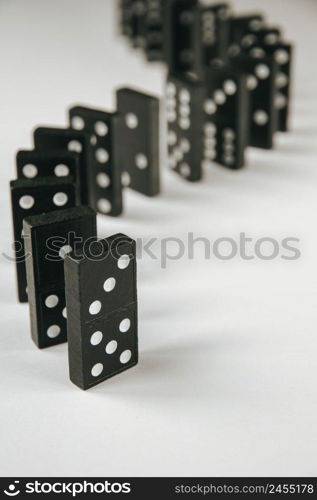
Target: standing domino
[(226, 108), (154, 30), (103, 177), (33, 197), (48, 239), (182, 36), (33, 164), (214, 32), (76, 141), (139, 135), (184, 111), (261, 83), (101, 299), (282, 54)]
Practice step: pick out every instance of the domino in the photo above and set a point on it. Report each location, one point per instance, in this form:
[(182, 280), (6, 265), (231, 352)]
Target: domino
[(182, 36), (133, 14), (75, 141), (214, 32), (36, 164), (196, 35), (125, 15), (243, 32), (253, 41), (153, 30), (265, 37), (101, 298), (139, 133), (32, 197), (226, 115), (104, 176), (138, 23), (186, 34), (185, 118), (282, 53), (267, 42), (48, 238), (261, 82)]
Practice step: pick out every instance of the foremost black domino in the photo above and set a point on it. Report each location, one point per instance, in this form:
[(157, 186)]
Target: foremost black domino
[(139, 137), (33, 197), (185, 118), (226, 117), (59, 139), (261, 82), (48, 238), (104, 175), (33, 164), (101, 298)]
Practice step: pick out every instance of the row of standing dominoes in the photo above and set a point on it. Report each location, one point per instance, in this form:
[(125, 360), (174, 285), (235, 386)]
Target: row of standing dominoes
[(87, 164), (83, 290), (229, 78), (79, 288), (228, 87)]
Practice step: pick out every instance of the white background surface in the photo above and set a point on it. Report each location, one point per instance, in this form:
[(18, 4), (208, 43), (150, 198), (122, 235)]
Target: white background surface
[(226, 383)]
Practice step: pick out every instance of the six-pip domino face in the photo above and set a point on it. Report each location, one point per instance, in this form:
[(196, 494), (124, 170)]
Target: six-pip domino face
[(101, 296)]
